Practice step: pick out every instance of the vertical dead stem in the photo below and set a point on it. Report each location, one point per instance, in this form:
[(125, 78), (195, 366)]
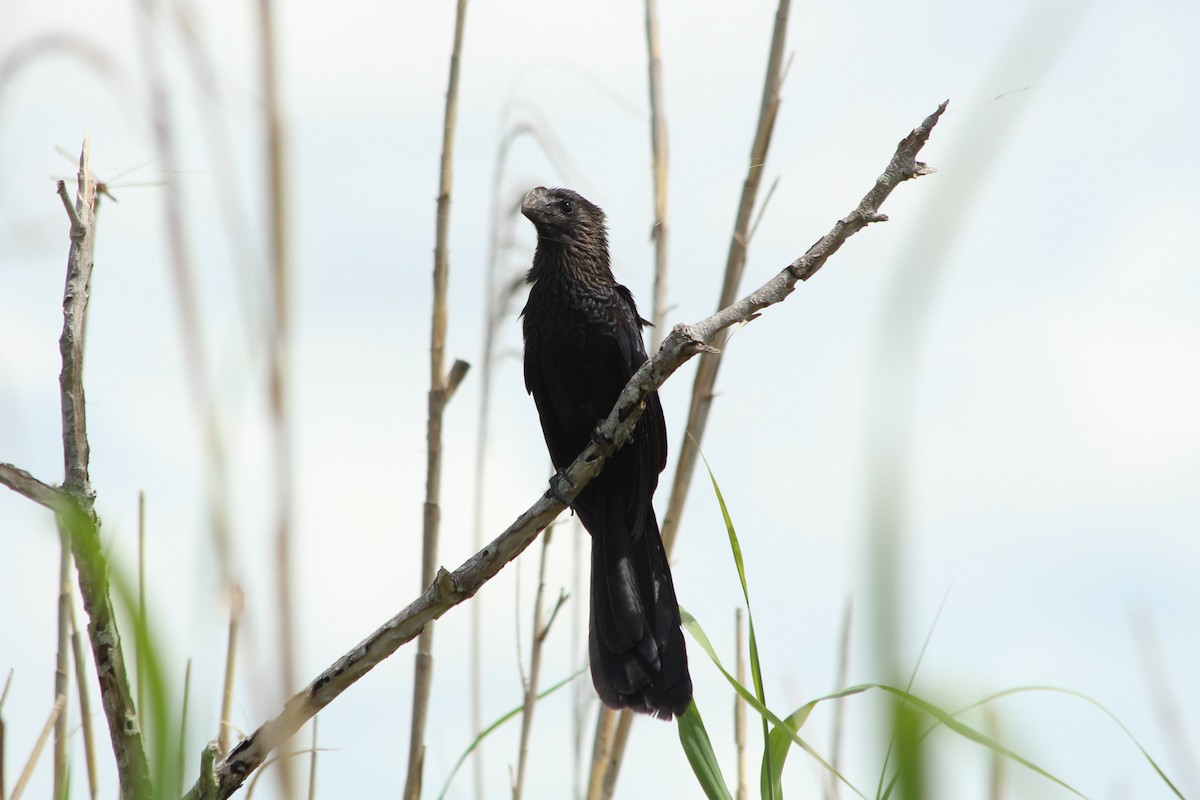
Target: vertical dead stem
[(658, 148), (739, 703), (62, 669), (601, 745), (706, 374), (279, 357), (439, 393), (133, 770), (137, 651), (540, 629), (236, 603), (85, 712)]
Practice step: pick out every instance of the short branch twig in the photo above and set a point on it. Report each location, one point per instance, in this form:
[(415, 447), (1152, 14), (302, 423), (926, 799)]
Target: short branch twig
[(449, 589), (30, 487)]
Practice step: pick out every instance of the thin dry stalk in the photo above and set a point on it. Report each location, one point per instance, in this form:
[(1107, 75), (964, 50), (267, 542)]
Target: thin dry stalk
[(75, 503), (27, 773), (137, 651), (496, 301), (581, 693), (451, 589), (540, 629), (3, 697), (739, 703), (62, 669), (186, 298), (658, 150), (616, 754), (279, 356), (312, 764), (85, 712), (237, 601), (441, 387), (833, 789), (183, 720), (601, 744), (1165, 699), (706, 374)]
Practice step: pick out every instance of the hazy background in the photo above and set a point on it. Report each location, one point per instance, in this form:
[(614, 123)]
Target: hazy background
[(1051, 487)]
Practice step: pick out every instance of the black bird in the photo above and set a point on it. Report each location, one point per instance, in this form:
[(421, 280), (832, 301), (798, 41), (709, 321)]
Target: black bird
[(583, 341)]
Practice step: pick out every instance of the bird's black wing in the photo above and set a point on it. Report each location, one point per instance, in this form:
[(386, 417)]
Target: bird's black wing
[(649, 440)]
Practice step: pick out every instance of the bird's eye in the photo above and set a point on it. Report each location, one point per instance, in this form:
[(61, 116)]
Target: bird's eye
[(566, 206)]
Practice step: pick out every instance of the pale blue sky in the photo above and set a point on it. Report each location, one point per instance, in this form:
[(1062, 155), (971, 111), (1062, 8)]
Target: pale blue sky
[(1054, 471)]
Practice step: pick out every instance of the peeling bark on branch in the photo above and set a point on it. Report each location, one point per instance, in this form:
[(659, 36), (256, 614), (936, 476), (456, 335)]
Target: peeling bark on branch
[(78, 516), (448, 589)]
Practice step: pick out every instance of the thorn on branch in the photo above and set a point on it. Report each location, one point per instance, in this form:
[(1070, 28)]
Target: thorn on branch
[(562, 598), (444, 584), (78, 229)]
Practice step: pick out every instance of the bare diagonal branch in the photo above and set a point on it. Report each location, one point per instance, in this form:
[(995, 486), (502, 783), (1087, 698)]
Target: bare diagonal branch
[(25, 484), (451, 588)]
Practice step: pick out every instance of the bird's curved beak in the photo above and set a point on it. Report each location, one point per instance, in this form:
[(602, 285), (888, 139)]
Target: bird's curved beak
[(536, 203)]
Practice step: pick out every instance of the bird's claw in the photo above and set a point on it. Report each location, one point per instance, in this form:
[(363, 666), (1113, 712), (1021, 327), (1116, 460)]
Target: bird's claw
[(601, 439), (556, 481)]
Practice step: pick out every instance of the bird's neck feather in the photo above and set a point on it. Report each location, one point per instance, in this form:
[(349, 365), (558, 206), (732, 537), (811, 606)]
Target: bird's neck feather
[(559, 264)]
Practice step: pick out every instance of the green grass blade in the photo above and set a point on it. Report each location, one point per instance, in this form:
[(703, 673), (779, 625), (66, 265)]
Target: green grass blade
[(755, 667), (693, 627), (698, 748), (488, 730), (159, 733), (1079, 695), (778, 745), (966, 731)]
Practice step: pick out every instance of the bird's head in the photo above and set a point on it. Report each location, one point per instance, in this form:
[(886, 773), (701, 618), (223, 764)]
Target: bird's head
[(564, 217)]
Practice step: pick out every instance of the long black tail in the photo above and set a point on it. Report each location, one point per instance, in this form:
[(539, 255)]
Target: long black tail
[(638, 657)]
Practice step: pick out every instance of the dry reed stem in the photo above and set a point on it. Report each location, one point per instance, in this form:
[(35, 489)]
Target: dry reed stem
[(186, 297), (85, 711), (706, 374), (237, 601), (739, 703), (601, 744), (537, 638), (833, 787), (141, 588), (75, 503), (3, 697), (62, 669), (659, 154), (312, 764), (279, 359), (439, 394), (27, 773), (616, 755)]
